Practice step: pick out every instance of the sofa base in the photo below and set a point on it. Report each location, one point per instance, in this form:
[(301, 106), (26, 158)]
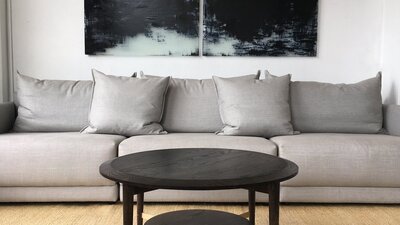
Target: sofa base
[(220, 196), (341, 195), (59, 194), (288, 194)]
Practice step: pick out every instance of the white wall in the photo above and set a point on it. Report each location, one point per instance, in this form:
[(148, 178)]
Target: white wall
[(391, 47), (3, 52), (48, 37)]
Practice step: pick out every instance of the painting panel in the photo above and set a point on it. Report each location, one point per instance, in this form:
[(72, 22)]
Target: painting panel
[(260, 27), (142, 27)]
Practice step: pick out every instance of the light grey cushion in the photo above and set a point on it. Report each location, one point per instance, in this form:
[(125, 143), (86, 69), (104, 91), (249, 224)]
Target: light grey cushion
[(392, 119), (51, 105), (342, 160), (55, 159), (254, 107), (269, 75), (126, 106), (195, 140), (191, 105), (338, 108)]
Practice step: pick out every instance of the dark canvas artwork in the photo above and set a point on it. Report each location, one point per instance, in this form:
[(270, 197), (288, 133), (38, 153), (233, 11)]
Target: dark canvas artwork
[(260, 27), (142, 27)]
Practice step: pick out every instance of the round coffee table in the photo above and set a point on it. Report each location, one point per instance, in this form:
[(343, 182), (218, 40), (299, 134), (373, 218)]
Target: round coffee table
[(199, 169)]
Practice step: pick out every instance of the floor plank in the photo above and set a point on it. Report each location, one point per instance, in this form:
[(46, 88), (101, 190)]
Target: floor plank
[(105, 213)]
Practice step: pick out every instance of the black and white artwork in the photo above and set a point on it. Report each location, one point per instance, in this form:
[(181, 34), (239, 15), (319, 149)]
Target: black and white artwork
[(142, 27), (260, 27)]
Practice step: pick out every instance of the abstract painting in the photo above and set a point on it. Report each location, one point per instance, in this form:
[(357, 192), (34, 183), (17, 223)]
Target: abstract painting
[(260, 27), (142, 27)]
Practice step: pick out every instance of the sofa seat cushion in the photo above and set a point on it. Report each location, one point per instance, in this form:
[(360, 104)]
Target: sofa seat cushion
[(195, 140), (342, 160), (55, 159)]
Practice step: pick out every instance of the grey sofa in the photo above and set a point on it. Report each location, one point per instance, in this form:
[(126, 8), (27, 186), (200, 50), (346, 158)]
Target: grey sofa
[(334, 167)]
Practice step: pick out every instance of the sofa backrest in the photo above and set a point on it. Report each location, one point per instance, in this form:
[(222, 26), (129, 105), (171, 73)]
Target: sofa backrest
[(337, 108), (52, 105), (191, 105)]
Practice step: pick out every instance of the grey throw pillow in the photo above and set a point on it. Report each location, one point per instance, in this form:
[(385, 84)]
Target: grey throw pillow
[(126, 106), (51, 105), (254, 107), (337, 108), (270, 75), (191, 105)]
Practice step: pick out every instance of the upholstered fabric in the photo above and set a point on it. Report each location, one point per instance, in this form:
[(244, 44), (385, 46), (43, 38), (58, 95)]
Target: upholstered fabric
[(195, 140), (234, 195), (7, 116), (341, 194), (344, 160), (126, 106), (51, 105), (55, 159), (337, 108), (288, 194), (191, 105), (59, 194), (269, 75), (254, 107), (392, 119)]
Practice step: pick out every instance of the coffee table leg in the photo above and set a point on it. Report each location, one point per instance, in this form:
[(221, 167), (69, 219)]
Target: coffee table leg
[(140, 200), (274, 191), (252, 206), (128, 204)]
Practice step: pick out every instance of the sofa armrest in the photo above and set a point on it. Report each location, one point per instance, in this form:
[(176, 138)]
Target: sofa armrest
[(392, 119), (7, 116)]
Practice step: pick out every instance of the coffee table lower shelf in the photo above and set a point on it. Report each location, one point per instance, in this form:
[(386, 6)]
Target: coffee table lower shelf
[(197, 217), (272, 189)]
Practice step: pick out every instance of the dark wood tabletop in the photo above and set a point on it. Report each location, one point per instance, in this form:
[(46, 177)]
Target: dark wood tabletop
[(198, 169)]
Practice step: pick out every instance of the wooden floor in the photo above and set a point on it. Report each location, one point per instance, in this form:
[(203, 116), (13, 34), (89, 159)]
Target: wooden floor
[(94, 214)]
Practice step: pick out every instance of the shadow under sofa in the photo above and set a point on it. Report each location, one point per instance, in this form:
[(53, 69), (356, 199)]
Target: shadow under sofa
[(334, 167)]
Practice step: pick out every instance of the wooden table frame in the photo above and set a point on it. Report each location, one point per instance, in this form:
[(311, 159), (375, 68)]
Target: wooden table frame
[(272, 189), (254, 172)]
